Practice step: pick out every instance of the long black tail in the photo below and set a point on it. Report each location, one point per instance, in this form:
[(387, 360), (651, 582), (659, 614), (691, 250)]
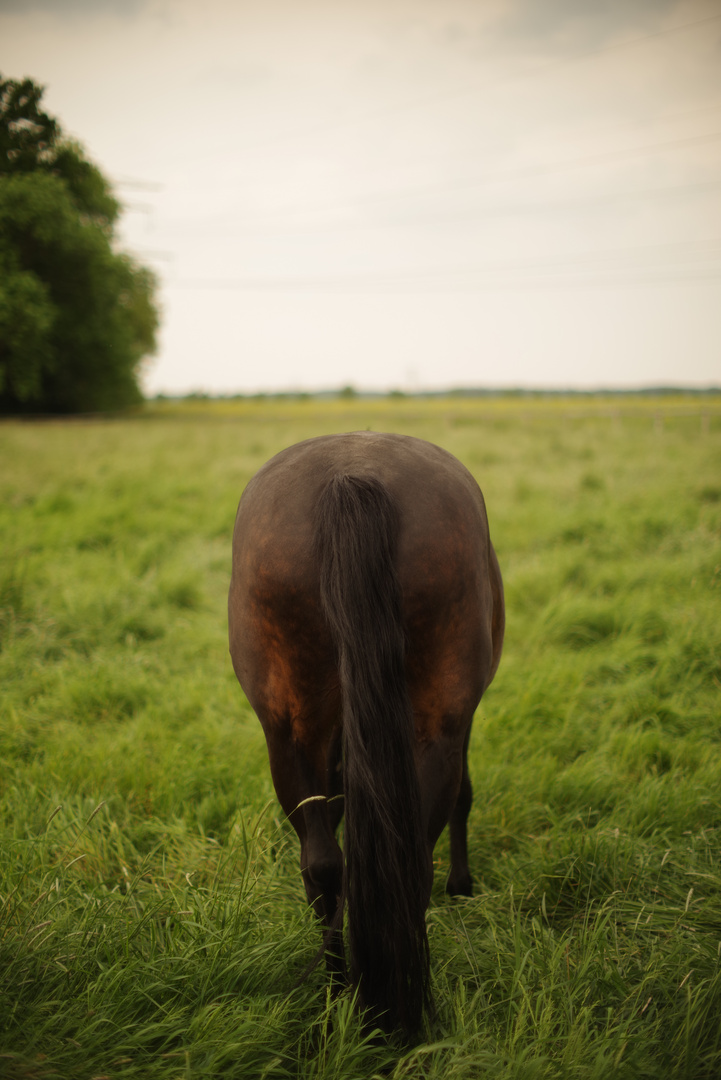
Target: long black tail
[(387, 865)]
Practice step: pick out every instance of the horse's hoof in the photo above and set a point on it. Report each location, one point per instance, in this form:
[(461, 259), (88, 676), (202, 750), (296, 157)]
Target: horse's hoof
[(462, 887)]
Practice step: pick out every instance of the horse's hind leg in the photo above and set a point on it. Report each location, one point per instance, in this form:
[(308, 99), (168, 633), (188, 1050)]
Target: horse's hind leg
[(307, 797), (321, 864), (459, 880)]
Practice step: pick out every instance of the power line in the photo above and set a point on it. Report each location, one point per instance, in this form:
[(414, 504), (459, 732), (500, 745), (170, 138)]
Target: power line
[(684, 261), (581, 203), (676, 276), (490, 210), (509, 176), (137, 185)]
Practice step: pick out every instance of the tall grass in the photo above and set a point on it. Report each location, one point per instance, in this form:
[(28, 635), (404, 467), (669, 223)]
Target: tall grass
[(152, 916)]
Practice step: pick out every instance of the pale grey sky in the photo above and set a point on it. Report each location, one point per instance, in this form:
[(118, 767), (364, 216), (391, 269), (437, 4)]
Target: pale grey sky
[(404, 193)]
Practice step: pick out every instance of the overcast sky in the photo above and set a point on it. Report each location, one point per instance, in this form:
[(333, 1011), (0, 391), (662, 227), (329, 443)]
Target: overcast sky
[(404, 193)]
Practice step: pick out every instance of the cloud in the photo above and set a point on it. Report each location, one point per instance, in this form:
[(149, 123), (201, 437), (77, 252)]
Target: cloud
[(59, 8), (570, 23)]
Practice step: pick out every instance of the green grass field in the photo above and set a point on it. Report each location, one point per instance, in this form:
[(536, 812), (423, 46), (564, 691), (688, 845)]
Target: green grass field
[(152, 916)]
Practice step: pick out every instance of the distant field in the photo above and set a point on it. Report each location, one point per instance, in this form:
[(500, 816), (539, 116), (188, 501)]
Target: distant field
[(152, 916)]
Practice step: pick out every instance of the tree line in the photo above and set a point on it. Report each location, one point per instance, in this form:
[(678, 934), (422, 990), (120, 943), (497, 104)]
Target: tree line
[(77, 317)]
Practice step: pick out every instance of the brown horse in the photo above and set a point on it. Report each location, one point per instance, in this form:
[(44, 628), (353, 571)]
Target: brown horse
[(366, 620)]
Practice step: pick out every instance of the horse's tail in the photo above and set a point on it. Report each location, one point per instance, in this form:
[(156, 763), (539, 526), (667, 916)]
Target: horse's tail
[(387, 865)]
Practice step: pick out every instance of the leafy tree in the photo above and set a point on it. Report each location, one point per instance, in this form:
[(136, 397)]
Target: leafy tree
[(76, 316)]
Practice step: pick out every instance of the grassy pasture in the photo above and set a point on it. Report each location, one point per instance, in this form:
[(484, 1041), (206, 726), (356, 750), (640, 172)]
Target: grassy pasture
[(152, 917)]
